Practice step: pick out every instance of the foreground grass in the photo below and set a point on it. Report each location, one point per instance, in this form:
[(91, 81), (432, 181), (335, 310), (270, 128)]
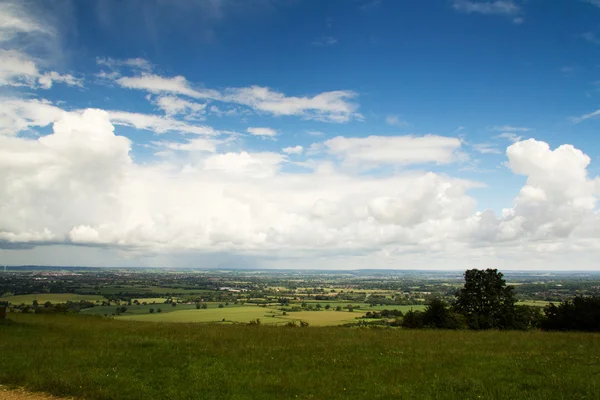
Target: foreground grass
[(99, 358)]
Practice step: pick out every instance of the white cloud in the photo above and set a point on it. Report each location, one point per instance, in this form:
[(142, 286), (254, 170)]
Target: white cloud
[(325, 41), (79, 185), (269, 132), (332, 106), (195, 144), (508, 128), (508, 8), (18, 69), (585, 116), (590, 37), (18, 115), (135, 63), (326, 106), (15, 20), (158, 124), (594, 2), (293, 150), (486, 148), (159, 84), (172, 105), (500, 7), (398, 150), (511, 136), (395, 120)]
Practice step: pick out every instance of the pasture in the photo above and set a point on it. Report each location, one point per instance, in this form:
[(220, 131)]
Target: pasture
[(51, 297), (324, 318), (103, 359), (229, 314)]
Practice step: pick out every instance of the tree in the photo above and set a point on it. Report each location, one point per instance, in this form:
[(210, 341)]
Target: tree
[(151, 310), (197, 306), (204, 306), (485, 300), (413, 320), (579, 314), (327, 306), (159, 310), (220, 305), (338, 308), (439, 315)]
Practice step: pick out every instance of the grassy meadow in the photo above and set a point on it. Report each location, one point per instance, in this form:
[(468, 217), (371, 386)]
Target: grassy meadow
[(111, 358), (54, 298)]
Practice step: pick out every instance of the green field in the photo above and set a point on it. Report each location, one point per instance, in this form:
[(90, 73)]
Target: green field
[(51, 297), (229, 314), (324, 318), (102, 358)]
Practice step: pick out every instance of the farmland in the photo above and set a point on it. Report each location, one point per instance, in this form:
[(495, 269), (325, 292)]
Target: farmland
[(274, 297), (51, 297)]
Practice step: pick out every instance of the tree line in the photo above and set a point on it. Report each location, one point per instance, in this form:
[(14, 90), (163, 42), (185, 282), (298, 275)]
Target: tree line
[(486, 302)]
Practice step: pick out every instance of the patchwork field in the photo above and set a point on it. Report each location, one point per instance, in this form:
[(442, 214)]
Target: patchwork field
[(51, 297), (233, 314)]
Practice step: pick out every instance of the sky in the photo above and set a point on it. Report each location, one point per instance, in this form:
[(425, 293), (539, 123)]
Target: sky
[(334, 134)]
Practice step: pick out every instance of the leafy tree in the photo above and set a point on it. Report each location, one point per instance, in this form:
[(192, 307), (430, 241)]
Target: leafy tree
[(151, 310), (197, 306), (439, 315), (327, 306), (204, 306), (174, 304), (221, 306), (485, 300), (578, 314), (338, 308), (159, 310), (413, 320)]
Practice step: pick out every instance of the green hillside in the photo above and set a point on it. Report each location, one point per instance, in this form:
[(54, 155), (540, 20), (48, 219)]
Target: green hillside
[(100, 358)]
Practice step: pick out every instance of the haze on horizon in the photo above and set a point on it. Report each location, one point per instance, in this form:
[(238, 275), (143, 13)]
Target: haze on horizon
[(446, 134)]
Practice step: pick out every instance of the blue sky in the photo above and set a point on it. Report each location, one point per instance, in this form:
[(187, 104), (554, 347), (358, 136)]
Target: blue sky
[(357, 133)]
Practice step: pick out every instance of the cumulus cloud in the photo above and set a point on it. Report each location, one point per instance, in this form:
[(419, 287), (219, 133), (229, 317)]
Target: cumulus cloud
[(398, 150), (79, 185), (268, 132), (17, 115)]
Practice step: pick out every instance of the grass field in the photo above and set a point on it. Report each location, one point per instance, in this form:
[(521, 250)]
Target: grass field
[(230, 314), (100, 358), (324, 318), (51, 297)]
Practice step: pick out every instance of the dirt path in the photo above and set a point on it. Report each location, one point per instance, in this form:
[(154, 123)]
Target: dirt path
[(18, 394)]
